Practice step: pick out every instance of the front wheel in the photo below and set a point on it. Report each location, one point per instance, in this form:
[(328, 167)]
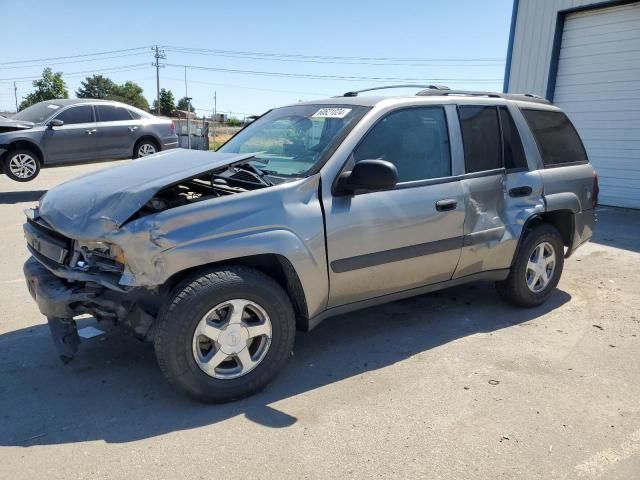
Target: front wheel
[(226, 334), (536, 270), (21, 165)]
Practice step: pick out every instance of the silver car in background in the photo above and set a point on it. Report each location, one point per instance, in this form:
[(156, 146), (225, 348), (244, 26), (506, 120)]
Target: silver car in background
[(66, 131)]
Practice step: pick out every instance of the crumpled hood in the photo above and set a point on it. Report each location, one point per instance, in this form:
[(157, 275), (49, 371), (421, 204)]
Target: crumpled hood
[(9, 124), (98, 203)]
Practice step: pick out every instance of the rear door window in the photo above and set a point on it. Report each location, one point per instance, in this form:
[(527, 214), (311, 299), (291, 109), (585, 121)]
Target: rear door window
[(74, 115), (480, 137), (513, 152), (556, 137), (112, 113)]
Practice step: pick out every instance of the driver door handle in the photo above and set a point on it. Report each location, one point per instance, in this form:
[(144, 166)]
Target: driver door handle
[(446, 205), (520, 191), (91, 131)]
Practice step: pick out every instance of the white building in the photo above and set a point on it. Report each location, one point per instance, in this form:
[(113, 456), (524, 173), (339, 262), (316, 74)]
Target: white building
[(584, 55)]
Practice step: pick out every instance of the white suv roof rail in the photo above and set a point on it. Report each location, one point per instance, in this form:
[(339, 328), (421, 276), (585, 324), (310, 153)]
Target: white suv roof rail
[(355, 93), (523, 97)]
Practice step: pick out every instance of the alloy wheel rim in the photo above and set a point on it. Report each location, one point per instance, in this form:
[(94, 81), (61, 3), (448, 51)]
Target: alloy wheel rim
[(146, 149), (232, 339), (541, 267), (23, 165)]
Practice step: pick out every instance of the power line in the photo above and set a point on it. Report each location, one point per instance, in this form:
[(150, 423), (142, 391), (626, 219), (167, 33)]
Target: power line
[(74, 61), (329, 57), (123, 68), (334, 77), (73, 56), (215, 53), (216, 84)]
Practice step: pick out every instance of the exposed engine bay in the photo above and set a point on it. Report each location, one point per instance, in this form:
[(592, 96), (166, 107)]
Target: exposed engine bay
[(229, 180)]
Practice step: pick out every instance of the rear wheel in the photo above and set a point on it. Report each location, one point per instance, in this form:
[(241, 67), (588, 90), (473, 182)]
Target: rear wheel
[(226, 334), (145, 147), (536, 270), (21, 165)]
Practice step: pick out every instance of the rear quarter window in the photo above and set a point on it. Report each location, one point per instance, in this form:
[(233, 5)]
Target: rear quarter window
[(557, 138)]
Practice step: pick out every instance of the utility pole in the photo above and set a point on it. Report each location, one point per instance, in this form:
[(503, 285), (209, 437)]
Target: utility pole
[(186, 95), (15, 93), (214, 118), (158, 55)]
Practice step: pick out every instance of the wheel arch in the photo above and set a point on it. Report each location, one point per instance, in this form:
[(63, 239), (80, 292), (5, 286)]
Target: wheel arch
[(274, 265), (27, 145), (562, 219)]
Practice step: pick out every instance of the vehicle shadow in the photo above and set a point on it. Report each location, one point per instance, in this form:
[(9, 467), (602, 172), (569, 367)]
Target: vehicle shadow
[(21, 197), (114, 391), (618, 228)]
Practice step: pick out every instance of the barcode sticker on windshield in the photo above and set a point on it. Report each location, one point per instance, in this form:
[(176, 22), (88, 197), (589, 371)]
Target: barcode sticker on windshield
[(331, 113)]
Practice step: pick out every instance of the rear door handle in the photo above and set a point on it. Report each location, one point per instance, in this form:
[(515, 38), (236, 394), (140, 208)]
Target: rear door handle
[(520, 191), (446, 205), (91, 131)]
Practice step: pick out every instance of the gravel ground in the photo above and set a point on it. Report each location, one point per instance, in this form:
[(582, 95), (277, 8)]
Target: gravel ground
[(450, 385)]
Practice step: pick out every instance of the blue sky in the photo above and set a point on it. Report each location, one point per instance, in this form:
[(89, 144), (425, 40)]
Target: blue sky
[(439, 36)]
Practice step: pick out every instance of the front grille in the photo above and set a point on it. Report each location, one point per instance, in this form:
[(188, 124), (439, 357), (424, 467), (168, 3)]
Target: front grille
[(46, 242)]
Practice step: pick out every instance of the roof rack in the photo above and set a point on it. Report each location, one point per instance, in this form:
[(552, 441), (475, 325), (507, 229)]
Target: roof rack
[(428, 87), (523, 97)]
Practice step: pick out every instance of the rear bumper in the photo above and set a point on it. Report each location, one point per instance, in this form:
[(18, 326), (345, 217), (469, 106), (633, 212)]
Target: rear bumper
[(170, 142)]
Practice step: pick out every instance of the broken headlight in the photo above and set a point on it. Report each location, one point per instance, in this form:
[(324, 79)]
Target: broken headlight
[(98, 255)]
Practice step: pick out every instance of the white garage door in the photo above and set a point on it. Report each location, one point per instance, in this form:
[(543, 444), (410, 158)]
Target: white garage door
[(598, 85)]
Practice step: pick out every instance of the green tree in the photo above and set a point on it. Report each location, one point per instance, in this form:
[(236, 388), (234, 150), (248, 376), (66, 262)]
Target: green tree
[(167, 103), (96, 86), (234, 122), (49, 87), (129, 93), (183, 104)]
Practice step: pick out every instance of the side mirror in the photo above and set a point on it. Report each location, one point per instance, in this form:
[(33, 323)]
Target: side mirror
[(368, 175), (55, 123)]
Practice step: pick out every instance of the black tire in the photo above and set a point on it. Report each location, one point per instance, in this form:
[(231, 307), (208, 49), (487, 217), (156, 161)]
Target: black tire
[(11, 155), (144, 141), (514, 289), (192, 299)]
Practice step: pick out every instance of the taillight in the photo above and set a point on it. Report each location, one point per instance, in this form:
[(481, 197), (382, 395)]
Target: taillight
[(173, 127), (596, 190)]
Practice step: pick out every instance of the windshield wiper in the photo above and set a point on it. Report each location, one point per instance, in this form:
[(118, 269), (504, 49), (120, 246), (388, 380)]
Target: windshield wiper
[(262, 174)]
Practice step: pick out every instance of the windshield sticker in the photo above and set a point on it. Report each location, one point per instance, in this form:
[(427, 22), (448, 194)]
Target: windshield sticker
[(331, 113), (55, 107)]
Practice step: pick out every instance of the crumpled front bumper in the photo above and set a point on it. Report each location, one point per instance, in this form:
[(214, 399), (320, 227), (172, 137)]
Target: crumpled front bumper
[(61, 300), (55, 301), (54, 296)]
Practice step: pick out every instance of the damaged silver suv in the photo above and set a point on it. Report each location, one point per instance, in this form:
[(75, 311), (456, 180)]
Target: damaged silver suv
[(313, 210)]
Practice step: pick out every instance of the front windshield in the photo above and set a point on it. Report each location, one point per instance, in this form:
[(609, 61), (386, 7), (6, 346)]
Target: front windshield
[(290, 141), (37, 113)]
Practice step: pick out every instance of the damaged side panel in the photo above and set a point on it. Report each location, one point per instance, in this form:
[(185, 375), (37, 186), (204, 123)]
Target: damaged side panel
[(494, 220)]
